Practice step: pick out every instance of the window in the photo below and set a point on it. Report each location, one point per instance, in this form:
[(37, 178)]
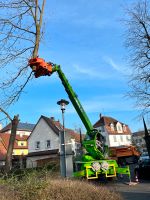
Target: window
[(119, 127), (124, 128), (22, 144), (112, 126), (121, 138), (115, 138), (21, 133), (48, 144), (37, 145)]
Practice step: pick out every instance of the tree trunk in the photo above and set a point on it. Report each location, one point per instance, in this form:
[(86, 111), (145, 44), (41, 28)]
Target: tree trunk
[(14, 123), (37, 41)]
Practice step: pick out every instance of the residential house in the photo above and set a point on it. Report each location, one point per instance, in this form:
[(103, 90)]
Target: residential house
[(44, 142), (139, 141), (22, 129), (20, 149), (115, 132)]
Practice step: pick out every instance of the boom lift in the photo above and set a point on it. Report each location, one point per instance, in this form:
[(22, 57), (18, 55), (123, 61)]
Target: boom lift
[(95, 161)]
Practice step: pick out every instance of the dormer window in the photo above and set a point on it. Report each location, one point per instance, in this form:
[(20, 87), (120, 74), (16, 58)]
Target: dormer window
[(112, 126), (119, 128), (124, 128)]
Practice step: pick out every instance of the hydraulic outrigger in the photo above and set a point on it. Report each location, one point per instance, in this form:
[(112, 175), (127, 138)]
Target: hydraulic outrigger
[(95, 162)]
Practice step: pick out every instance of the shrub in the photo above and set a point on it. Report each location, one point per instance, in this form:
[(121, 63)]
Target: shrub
[(43, 186)]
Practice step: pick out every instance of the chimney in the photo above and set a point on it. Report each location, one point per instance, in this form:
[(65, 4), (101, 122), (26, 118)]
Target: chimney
[(52, 118), (100, 115)]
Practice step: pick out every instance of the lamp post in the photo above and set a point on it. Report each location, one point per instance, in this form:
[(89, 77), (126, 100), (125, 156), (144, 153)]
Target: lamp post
[(63, 104)]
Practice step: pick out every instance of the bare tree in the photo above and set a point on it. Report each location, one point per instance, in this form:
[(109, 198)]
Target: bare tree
[(14, 125), (138, 44), (20, 35)]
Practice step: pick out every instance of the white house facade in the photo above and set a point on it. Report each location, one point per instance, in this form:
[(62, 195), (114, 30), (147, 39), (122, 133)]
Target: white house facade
[(44, 142), (115, 133), (42, 138)]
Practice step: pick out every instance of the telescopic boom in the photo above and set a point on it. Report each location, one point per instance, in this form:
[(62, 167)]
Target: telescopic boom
[(94, 141)]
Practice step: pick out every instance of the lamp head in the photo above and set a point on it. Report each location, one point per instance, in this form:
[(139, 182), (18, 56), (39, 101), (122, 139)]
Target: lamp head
[(63, 104)]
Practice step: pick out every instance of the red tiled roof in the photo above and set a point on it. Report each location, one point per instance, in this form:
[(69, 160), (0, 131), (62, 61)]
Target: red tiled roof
[(22, 138), (54, 125), (5, 139), (74, 135), (57, 127), (3, 150), (106, 121)]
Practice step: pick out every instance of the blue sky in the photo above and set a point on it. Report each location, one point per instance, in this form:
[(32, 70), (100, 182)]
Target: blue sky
[(87, 39)]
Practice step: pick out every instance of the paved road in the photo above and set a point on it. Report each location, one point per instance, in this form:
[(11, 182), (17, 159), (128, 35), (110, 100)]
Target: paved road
[(140, 191), (135, 196)]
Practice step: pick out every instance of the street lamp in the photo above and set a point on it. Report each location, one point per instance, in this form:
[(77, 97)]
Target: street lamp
[(63, 104)]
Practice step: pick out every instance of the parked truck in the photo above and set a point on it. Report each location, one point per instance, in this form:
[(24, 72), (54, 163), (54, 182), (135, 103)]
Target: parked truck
[(94, 162), (124, 154)]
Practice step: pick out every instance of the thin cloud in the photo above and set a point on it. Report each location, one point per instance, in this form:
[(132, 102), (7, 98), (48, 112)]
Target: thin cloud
[(117, 67), (109, 103), (88, 71), (92, 21), (91, 72)]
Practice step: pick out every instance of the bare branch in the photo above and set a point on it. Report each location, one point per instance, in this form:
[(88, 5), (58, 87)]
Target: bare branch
[(138, 44), (7, 115), (20, 34)]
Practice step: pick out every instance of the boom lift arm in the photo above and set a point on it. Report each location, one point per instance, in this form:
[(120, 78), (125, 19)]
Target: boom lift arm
[(73, 98), (94, 162), (94, 141)]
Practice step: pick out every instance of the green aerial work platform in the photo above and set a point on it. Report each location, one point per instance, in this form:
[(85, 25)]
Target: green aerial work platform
[(94, 162)]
